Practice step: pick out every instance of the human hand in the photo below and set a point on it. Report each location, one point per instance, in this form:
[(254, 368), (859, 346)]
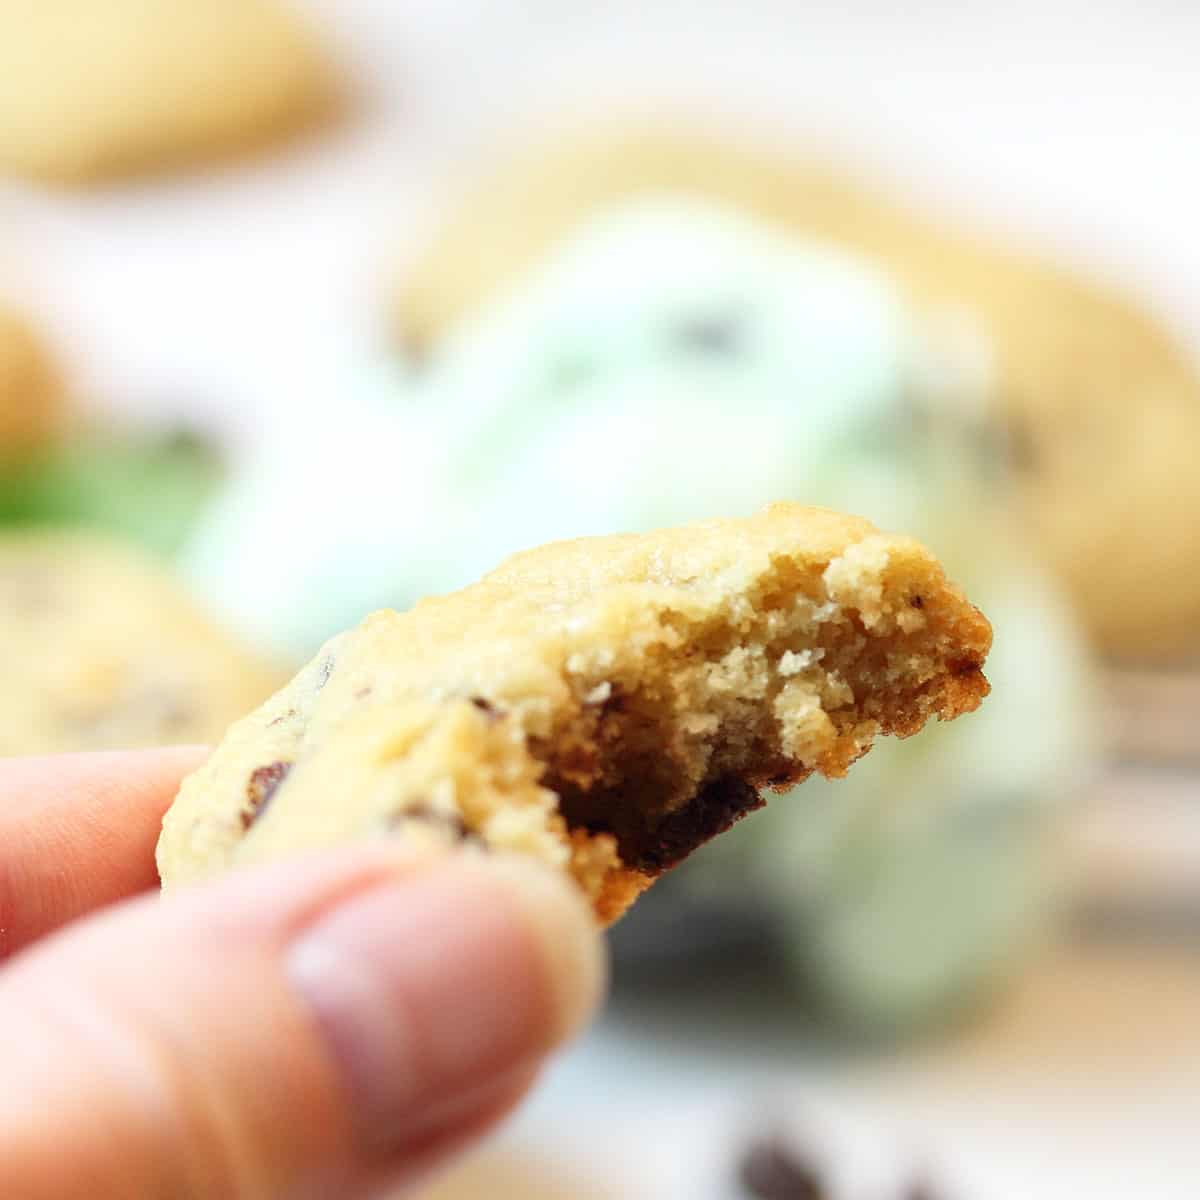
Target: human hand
[(331, 1027)]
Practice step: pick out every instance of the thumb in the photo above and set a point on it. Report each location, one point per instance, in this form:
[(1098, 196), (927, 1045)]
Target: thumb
[(317, 1028)]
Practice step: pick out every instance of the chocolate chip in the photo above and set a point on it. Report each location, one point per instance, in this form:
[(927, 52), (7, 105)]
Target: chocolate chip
[(486, 707), (716, 807), (710, 333), (773, 1170), (916, 601), (919, 1188), (172, 711), (964, 666), (177, 715), (1021, 445), (451, 822), (414, 349), (263, 784)]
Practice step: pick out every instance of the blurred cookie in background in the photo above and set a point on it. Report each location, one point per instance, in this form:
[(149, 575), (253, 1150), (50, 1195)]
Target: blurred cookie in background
[(98, 89), (31, 391), (1100, 403), (103, 649), (485, 239)]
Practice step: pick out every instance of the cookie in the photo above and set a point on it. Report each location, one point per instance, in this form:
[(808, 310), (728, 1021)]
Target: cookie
[(605, 704), (96, 89), (1090, 386), (102, 649), (31, 393)]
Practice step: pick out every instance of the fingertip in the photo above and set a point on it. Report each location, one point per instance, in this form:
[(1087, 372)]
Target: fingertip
[(361, 1010), (77, 832), (428, 987), (570, 947)]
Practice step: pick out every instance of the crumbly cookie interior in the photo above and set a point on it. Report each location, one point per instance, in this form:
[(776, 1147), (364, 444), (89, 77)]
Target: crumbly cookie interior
[(799, 673)]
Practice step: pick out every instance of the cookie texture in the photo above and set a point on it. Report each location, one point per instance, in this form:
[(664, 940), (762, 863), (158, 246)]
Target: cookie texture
[(102, 649), (95, 89), (605, 704), (1090, 386), (31, 393)]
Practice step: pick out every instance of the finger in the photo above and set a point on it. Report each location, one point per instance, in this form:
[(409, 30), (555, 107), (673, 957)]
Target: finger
[(424, 1161), (77, 831), (303, 1029)]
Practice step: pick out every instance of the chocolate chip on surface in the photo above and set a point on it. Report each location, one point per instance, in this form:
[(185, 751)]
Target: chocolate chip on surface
[(451, 822), (263, 784), (920, 1188), (486, 707), (710, 333), (774, 1170)]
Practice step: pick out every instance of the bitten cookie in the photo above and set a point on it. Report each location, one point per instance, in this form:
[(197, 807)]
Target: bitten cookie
[(606, 704), (31, 393), (1102, 404), (102, 649), (93, 89)]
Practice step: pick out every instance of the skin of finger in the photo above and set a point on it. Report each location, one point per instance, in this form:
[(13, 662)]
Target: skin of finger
[(159, 1051), (422, 1162), (77, 832)]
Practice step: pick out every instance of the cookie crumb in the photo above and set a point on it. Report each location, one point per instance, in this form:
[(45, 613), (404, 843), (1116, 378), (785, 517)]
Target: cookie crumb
[(599, 694)]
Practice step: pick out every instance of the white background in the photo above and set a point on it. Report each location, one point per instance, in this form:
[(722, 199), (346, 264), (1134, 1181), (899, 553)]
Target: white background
[(1075, 125)]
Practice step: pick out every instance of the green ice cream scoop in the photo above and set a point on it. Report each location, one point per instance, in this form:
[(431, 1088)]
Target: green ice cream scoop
[(672, 361)]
